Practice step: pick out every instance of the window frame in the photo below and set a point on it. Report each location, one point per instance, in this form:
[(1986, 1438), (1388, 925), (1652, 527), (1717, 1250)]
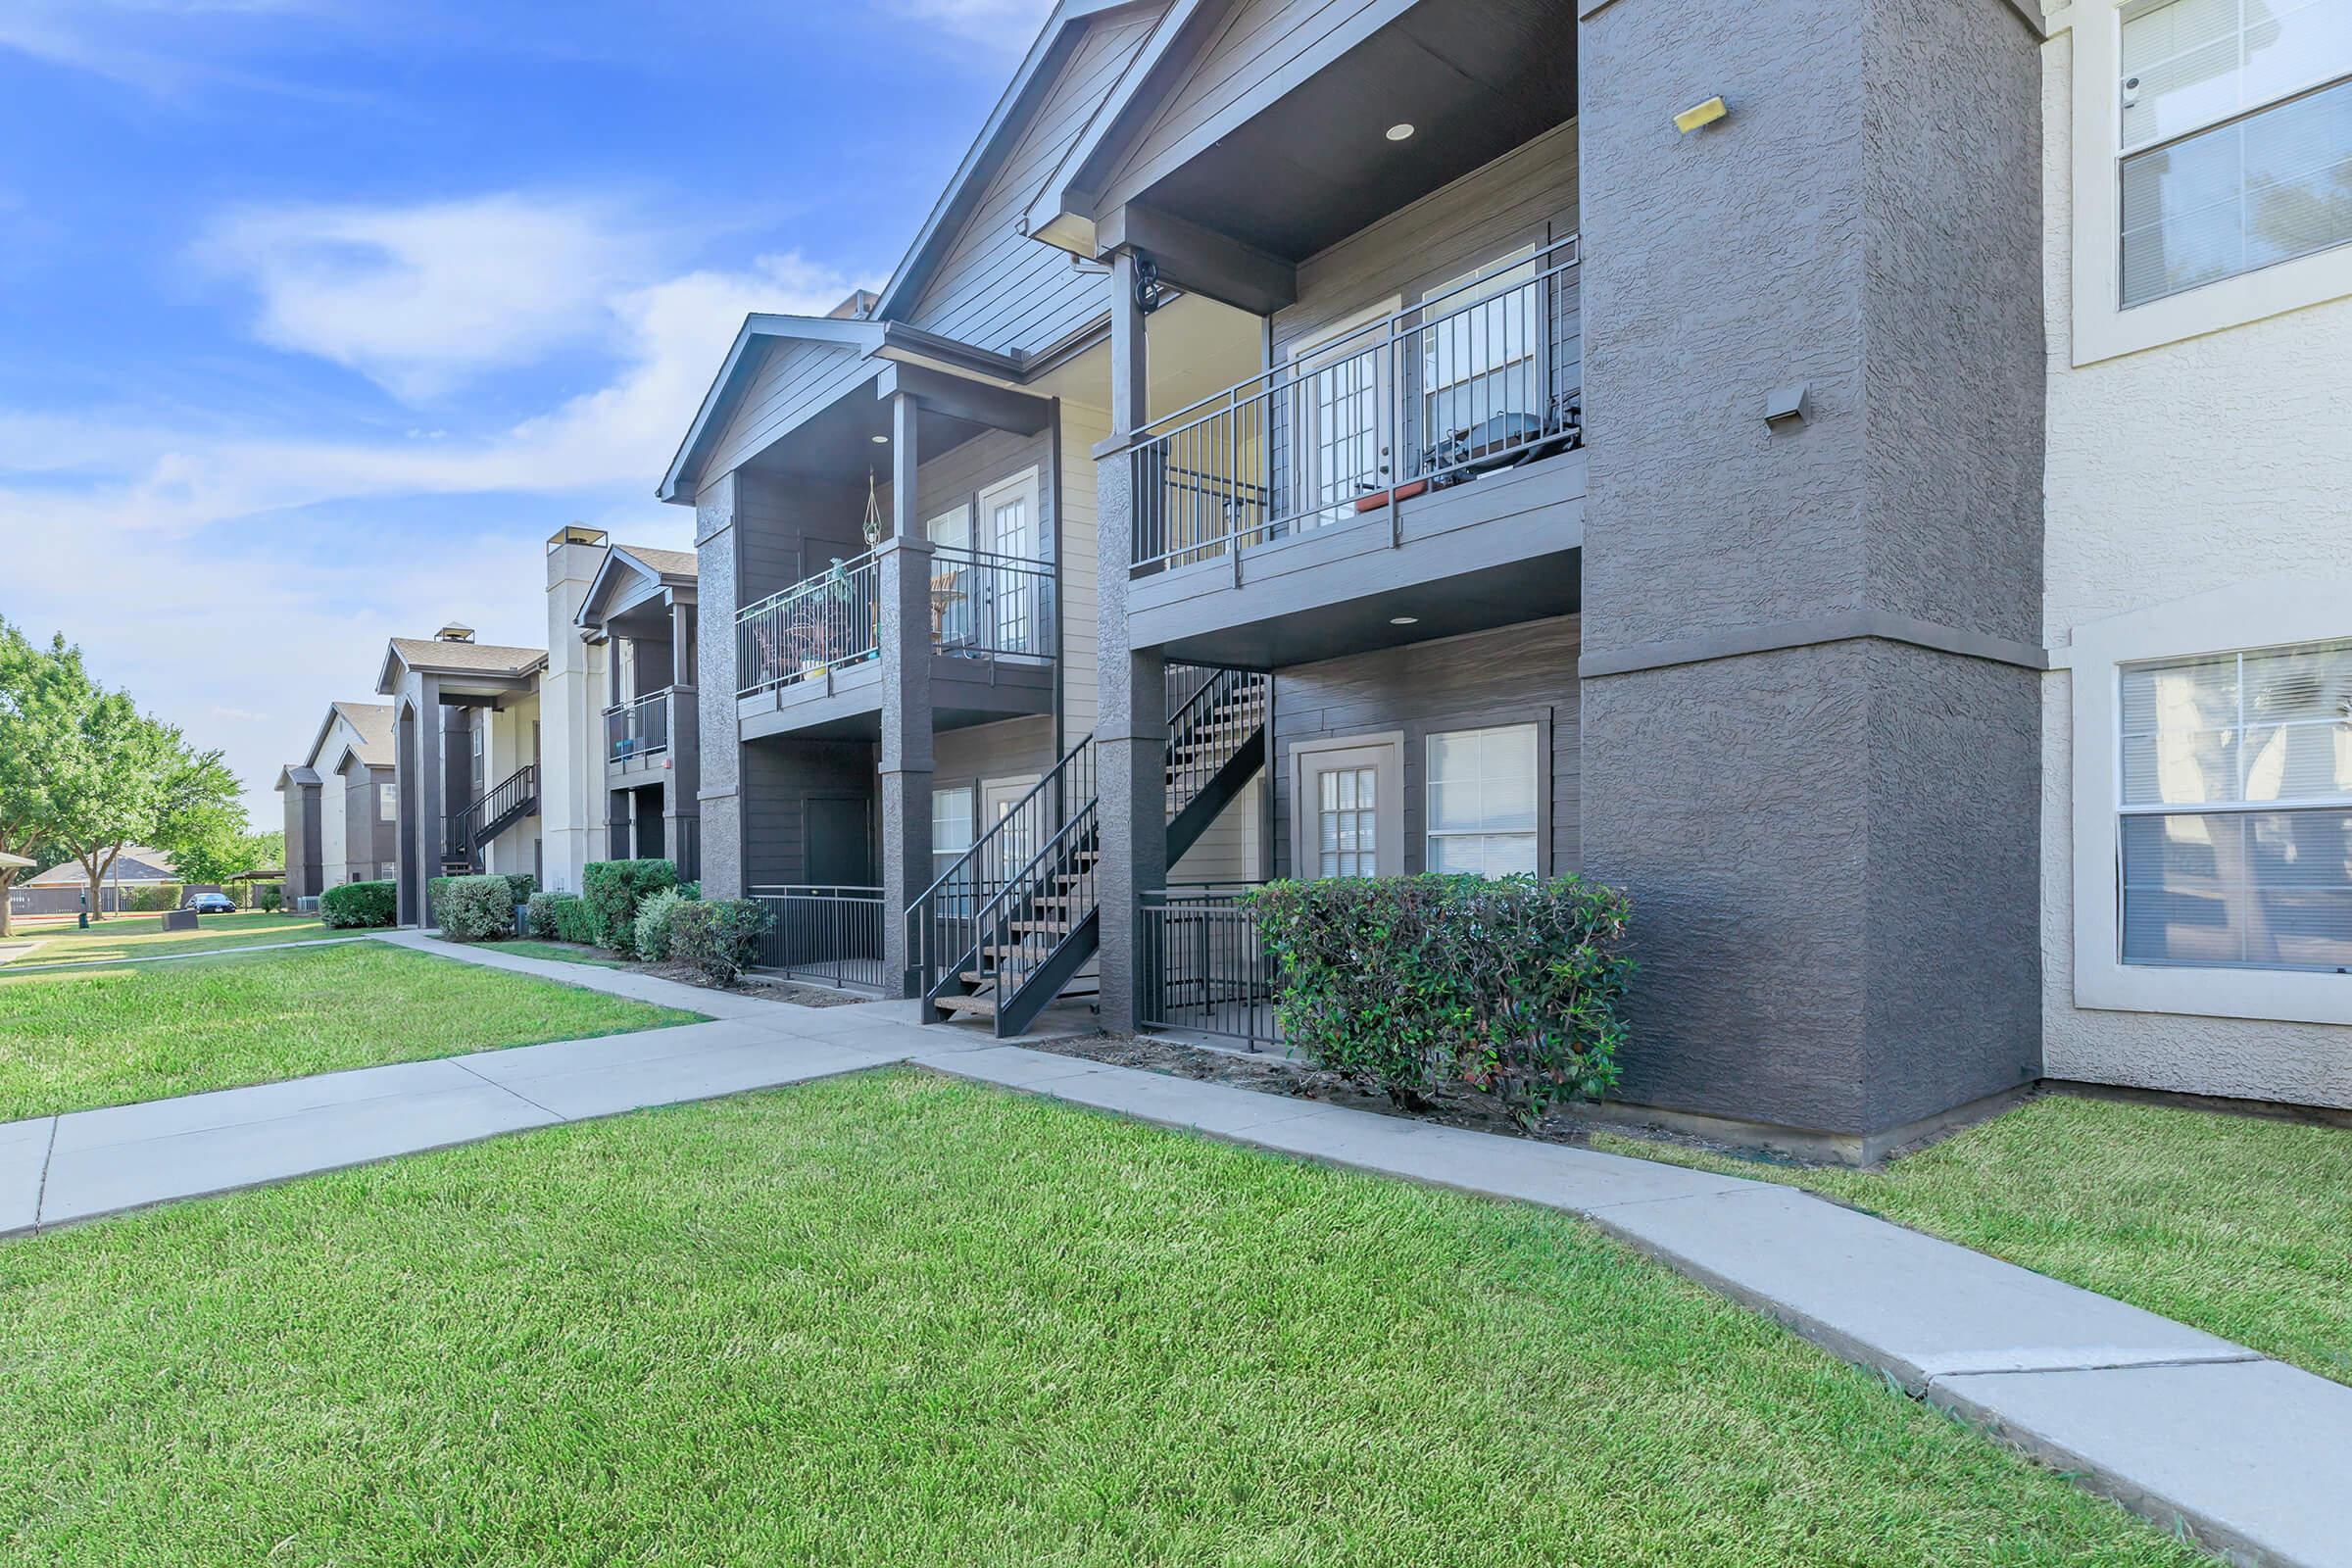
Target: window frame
[(2275, 612), (2103, 327), (1540, 784)]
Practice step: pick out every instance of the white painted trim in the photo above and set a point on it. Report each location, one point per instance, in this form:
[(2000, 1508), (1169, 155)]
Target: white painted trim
[(2102, 329), (2262, 614)]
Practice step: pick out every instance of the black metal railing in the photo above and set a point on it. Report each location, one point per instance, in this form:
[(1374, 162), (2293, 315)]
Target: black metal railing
[(948, 927), (827, 935), (1484, 375), (639, 728), (827, 622), (990, 605), (464, 830), (1203, 968), (1225, 709)]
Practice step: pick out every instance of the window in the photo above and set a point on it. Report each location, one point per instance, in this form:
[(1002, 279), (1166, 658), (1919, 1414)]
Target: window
[(1478, 352), (950, 826), (1481, 792), (2236, 832), (2236, 124), (1348, 821), (387, 803)]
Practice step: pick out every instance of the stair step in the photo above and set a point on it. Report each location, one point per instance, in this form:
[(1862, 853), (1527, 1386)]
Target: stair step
[(1060, 928), (981, 1004)]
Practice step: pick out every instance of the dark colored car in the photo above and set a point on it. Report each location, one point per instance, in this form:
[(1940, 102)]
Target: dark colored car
[(211, 903)]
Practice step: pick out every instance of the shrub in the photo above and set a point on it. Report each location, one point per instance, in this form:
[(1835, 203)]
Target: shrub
[(720, 937), (1508, 986), (360, 903), (269, 896), (614, 889), (653, 923), (520, 886), (563, 916), (152, 899), (476, 908)]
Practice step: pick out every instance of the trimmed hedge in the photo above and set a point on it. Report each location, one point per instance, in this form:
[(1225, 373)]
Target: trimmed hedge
[(653, 923), (1405, 983), (269, 897), (360, 903), (519, 888), (561, 916), (614, 889), (152, 899), (720, 937), (475, 909)]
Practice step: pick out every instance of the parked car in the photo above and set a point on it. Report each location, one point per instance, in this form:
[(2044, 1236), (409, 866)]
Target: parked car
[(211, 903)]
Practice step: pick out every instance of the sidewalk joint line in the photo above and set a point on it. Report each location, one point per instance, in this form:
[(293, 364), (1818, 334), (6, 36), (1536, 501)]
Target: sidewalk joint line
[(2156, 1364), (512, 1089), (40, 1192)]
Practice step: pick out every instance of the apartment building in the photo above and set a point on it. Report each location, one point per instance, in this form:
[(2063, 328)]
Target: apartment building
[(467, 748), (638, 612), (341, 804), (2197, 718)]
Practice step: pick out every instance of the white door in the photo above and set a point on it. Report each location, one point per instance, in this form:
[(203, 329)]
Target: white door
[(1349, 816), (1009, 610), (1337, 408), (1020, 842)]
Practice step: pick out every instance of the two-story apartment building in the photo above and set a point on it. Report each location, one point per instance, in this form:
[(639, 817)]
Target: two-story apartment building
[(341, 804), (643, 763), (1459, 434), (2197, 720)]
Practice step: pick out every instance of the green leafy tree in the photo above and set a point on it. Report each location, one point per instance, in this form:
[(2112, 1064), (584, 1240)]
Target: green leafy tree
[(40, 690), (199, 820)]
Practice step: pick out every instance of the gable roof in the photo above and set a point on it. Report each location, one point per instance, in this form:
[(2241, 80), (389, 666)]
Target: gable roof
[(136, 863), (675, 570), (759, 329), (667, 563), (457, 658), (1050, 213)]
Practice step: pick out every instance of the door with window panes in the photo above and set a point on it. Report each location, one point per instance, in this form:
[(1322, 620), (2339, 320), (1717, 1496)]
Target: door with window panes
[(1348, 819)]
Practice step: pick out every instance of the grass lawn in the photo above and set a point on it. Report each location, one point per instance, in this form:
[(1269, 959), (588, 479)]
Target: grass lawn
[(144, 937), (892, 1320), (2231, 1223), (74, 1039), (562, 953)]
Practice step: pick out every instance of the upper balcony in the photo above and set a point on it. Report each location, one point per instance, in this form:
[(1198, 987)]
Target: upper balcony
[(808, 658)]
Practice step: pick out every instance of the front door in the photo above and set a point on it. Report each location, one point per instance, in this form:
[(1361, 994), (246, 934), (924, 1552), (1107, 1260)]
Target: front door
[(1349, 813), (1009, 610), (841, 843), (1020, 842)]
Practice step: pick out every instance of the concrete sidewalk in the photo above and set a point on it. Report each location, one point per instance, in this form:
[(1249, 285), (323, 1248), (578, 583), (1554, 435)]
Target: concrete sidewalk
[(2253, 1457)]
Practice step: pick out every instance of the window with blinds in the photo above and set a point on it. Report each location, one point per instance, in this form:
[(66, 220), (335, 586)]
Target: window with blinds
[(2237, 125), (1481, 798), (2236, 817)]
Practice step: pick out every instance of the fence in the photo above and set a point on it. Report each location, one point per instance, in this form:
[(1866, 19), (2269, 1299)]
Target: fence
[(1203, 968), (828, 935)]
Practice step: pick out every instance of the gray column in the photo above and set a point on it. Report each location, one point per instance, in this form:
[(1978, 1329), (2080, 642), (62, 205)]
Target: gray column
[(1131, 731), (421, 793), (1810, 718), (718, 764), (680, 783), (905, 761)]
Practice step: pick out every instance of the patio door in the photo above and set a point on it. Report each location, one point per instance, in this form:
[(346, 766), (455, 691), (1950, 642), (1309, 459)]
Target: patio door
[(1482, 354), (952, 577), (1347, 816), (1341, 386), (1007, 609), (1018, 844)]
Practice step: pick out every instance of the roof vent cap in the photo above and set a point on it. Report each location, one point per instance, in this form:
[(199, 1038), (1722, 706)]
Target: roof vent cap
[(454, 633)]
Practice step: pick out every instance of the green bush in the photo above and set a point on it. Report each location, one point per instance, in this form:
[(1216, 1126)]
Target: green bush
[(561, 918), (360, 903), (1509, 986), (653, 923), (519, 889), (614, 889), (720, 937), (152, 899), (476, 908), (520, 886), (268, 896)]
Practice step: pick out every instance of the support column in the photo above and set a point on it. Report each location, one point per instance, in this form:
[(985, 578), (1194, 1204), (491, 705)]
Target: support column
[(682, 811), (424, 802), (904, 565), (1131, 731), (717, 785)]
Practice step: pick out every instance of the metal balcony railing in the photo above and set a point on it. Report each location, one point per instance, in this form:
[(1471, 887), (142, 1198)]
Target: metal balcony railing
[(990, 605), (828, 935), (1203, 968), (830, 622), (639, 728), (1484, 375)]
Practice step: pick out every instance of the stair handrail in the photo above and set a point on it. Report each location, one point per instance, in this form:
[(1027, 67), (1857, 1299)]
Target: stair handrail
[(996, 915), (966, 878), (1221, 685), (471, 815)]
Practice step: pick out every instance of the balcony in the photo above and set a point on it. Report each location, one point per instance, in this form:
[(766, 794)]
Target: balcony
[(637, 734), (808, 658), (1426, 464)]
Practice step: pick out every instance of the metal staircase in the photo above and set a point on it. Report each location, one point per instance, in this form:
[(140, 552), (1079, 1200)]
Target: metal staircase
[(468, 831), (1008, 928)]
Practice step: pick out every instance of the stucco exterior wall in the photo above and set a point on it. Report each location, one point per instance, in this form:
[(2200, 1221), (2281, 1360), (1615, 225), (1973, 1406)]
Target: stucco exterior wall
[(2173, 471)]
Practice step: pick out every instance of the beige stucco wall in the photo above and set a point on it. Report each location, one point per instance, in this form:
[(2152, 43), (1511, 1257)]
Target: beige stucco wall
[(2174, 471)]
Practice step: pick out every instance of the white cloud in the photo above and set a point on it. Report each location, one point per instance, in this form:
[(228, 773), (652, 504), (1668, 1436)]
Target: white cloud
[(153, 45), (1005, 26), (419, 299)]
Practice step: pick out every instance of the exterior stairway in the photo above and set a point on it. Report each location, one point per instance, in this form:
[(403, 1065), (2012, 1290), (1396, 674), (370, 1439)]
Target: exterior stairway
[(468, 831), (1009, 928)]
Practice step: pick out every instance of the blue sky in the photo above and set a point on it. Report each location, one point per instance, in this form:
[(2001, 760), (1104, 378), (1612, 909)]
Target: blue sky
[(316, 317)]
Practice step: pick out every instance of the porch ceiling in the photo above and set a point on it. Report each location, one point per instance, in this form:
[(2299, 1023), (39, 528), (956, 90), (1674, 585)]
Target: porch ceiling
[(838, 442), (1474, 78)]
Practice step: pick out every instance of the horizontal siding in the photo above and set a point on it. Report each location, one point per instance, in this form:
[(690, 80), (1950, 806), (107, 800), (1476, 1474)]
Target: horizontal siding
[(994, 287), (790, 382), (1229, 851), (1511, 675), (1081, 590), (779, 779), (787, 529), (1016, 748)]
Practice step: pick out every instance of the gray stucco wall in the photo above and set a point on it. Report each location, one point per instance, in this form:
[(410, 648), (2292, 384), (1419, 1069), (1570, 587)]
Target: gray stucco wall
[(1829, 842), (305, 855)]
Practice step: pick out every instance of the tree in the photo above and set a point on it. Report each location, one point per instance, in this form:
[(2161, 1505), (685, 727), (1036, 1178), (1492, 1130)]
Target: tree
[(40, 689), (199, 820)]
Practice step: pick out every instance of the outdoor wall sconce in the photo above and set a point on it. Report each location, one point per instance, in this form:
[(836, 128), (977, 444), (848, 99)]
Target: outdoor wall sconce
[(1784, 405), (1697, 115)]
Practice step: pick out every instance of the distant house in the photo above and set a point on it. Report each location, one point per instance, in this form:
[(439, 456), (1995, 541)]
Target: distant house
[(342, 802), (59, 889)]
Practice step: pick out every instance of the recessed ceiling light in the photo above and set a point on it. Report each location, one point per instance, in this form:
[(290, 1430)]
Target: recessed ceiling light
[(881, 440), (1404, 621), (1402, 130)]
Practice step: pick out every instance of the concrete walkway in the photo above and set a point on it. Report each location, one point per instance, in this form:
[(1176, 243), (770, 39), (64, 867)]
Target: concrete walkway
[(2253, 1457)]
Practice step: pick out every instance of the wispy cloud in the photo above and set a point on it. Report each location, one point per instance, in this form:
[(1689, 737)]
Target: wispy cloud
[(1005, 26), (160, 47)]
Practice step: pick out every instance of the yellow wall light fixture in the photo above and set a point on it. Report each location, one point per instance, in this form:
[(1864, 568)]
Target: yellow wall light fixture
[(1697, 115)]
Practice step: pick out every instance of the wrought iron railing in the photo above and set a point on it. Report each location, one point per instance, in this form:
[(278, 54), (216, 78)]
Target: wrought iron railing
[(992, 606), (1486, 374), (639, 728), (1203, 968), (1225, 707), (827, 622), (462, 830), (828, 935), (952, 922)]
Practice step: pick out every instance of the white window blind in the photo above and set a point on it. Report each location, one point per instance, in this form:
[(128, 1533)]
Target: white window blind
[(2236, 825), (950, 826), (2237, 125), (1480, 797)]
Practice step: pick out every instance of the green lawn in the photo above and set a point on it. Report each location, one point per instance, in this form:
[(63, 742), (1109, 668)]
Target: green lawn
[(143, 936), (893, 1320), (2235, 1224), (562, 953), (74, 1039)]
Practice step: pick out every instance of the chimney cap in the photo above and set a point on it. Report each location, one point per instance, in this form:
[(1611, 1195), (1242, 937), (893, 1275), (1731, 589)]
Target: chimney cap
[(453, 633), (578, 533)]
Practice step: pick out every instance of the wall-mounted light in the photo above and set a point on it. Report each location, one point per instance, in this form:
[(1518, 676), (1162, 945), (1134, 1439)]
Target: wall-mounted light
[(1402, 130), (881, 440), (1404, 621), (1785, 405), (1697, 115)]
